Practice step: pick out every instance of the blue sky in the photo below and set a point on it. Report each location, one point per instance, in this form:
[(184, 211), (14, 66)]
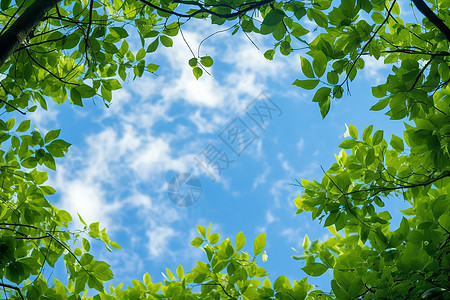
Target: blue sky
[(122, 158)]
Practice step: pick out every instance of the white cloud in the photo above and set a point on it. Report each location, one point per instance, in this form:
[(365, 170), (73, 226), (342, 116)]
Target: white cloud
[(261, 179), (158, 240), (155, 126), (270, 218), (373, 69), (300, 145)]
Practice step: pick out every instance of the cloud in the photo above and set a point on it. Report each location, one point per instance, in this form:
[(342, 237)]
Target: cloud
[(158, 239), (118, 173), (270, 218), (300, 145), (373, 69), (261, 179)]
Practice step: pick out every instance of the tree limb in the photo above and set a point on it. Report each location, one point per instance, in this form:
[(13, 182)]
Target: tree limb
[(21, 29), (431, 16)]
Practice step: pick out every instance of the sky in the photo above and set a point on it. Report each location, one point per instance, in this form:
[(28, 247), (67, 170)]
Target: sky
[(123, 158)]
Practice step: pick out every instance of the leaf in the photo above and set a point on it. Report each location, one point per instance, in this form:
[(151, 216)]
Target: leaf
[(397, 143), (353, 131), (206, 61), (306, 68), (166, 41), (273, 18), (193, 62), (240, 241), (315, 269), (24, 126), (332, 77), (269, 54), (51, 135), (306, 84), (180, 272), (197, 241), (153, 46), (152, 67), (364, 233), (319, 17), (10, 124), (259, 243), (348, 144), (213, 238), (140, 54), (319, 63), (377, 137), (201, 230), (305, 244), (118, 32), (5, 4), (367, 133), (197, 72)]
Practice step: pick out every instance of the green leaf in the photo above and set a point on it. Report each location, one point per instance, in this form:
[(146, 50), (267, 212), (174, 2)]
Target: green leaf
[(153, 46), (306, 68), (308, 84), (152, 67), (273, 18), (58, 148), (86, 244), (118, 32), (213, 238), (180, 272), (269, 54), (332, 77), (206, 61), (197, 241), (377, 137), (115, 245), (5, 4), (29, 163), (305, 244), (201, 230), (353, 131), (319, 63), (24, 126), (259, 243), (141, 54), (319, 17), (240, 241), (364, 233), (51, 135), (10, 124), (315, 269), (166, 41), (367, 133), (197, 72), (193, 62), (348, 144), (397, 143)]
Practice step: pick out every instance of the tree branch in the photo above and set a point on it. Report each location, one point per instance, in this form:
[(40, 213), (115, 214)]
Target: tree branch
[(21, 29), (203, 9), (12, 287), (431, 16)]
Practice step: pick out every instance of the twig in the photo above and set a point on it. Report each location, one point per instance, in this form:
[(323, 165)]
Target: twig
[(13, 107), (13, 287)]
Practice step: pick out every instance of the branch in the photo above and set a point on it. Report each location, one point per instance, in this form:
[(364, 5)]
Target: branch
[(22, 28), (12, 106), (203, 9), (431, 16), (14, 288), (367, 44)]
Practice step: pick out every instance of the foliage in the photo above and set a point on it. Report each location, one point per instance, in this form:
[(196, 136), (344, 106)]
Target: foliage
[(78, 49)]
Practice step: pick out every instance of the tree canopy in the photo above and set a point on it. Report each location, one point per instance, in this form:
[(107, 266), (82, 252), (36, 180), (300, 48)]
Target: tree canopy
[(78, 49)]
